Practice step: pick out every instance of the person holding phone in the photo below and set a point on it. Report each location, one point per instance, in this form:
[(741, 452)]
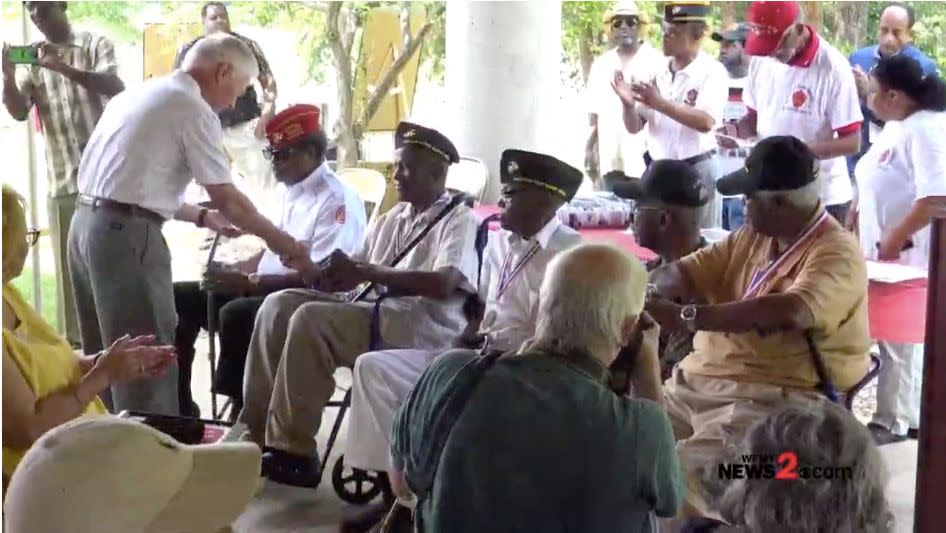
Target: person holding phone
[(900, 180), (73, 77)]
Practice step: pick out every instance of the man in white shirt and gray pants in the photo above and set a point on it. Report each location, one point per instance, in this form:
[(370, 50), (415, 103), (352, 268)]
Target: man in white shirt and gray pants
[(148, 145)]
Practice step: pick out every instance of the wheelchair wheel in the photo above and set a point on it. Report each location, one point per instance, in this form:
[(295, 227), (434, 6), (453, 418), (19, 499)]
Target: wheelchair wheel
[(354, 485)]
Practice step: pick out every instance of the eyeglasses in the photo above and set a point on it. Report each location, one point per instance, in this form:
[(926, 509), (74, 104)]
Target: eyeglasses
[(32, 237), (630, 22), (279, 155)]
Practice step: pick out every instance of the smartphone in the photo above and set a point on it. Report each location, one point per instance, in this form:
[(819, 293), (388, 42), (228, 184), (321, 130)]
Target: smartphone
[(23, 55)]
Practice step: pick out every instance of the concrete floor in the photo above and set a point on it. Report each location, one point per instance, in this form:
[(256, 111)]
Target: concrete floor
[(282, 509)]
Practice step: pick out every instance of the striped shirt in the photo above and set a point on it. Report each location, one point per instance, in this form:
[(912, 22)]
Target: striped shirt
[(67, 110)]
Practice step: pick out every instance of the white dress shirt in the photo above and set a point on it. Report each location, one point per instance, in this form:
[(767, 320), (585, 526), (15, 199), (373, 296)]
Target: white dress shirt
[(810, 101), (415, 321), (619, 149), (704, 85), (509, 319), (906, 163), (320, 212), (151, 141)]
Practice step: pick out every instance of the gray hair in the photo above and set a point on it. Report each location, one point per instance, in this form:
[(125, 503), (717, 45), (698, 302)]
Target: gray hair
[(805, 197), (587, 293), (821, 434), (219, 48)]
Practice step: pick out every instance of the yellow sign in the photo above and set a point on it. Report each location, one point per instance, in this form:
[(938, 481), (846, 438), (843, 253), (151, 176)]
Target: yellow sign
[(161, 43), (380, 43)]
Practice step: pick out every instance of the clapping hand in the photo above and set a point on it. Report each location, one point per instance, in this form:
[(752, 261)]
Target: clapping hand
[(129, 359), (9, 69), (860, 81), (623, 89), (646, 93)]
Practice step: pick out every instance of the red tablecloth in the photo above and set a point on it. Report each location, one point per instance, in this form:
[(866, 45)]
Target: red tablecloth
[(897, 311)]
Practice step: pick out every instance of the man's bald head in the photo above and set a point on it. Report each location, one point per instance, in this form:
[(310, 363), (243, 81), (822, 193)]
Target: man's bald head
[(590, 300), (895, 28)]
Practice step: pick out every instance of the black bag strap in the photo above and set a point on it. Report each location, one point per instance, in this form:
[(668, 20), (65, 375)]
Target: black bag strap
[(456, 200), (447, 417), (825, 383)]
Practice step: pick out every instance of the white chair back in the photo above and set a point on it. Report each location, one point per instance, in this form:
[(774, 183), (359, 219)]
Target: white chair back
[(370, 186), (470, 176)]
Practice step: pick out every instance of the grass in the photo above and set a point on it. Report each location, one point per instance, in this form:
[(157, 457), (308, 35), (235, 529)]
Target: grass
[(24, 283)]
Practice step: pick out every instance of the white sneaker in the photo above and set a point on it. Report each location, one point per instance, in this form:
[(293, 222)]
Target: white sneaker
[(238, 432)]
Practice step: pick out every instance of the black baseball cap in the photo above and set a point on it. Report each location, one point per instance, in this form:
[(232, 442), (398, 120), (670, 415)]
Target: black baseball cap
[(734, 32), (666, 181), (779, 163)]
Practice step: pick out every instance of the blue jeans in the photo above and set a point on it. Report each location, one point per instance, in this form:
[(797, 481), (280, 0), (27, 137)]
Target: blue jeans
[(734, 213)]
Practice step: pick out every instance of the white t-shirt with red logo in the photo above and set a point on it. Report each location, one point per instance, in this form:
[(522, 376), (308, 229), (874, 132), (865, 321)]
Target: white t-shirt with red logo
[(906, 162), (704, 85), (812, 100)]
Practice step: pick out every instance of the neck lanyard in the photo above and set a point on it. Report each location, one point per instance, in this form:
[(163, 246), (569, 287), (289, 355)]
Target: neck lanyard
[(506, 275), (760, 276)]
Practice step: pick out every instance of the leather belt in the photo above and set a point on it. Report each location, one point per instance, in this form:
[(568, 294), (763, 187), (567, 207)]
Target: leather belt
[(130, 210), (701, 157), (690, 160)]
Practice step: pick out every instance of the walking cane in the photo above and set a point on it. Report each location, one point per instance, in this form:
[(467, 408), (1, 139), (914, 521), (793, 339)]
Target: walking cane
[(212, 330)]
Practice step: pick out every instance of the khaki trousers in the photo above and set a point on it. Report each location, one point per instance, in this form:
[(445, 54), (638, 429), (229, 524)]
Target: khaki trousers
[(299, 339), (60, 210), (710, 417)]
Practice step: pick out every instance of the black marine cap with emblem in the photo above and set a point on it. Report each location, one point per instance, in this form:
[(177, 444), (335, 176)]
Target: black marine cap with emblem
[(778, 163), (428, 138), (667, 181), (540, 170), (686, 12)]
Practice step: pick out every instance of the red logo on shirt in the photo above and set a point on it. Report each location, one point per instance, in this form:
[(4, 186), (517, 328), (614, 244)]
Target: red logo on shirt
[(340, 215), (884, 157), (691, 97), (799, 98)]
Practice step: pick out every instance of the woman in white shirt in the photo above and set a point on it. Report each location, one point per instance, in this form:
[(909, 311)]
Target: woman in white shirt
[(900, 180)]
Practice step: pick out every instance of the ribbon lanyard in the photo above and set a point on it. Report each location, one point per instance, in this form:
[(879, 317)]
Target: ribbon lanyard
[(506, 276), (760, 276)]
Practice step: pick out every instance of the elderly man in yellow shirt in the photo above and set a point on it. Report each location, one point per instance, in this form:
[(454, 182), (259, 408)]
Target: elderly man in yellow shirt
[(784, 291)]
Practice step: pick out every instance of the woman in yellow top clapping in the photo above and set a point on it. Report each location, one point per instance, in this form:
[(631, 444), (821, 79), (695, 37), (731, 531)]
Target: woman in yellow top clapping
[(45, 383)]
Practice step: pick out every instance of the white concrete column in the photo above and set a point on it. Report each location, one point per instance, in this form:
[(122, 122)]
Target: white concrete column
[(502, 78)]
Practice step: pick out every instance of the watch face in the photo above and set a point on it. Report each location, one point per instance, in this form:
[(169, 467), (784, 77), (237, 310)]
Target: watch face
[(688, 312)]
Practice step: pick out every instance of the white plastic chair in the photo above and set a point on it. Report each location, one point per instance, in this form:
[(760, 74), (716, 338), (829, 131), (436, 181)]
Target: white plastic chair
[(470, 176), (369, 184)]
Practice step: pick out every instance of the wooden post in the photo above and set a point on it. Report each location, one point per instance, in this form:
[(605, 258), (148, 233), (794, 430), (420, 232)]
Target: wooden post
[(929, 511)]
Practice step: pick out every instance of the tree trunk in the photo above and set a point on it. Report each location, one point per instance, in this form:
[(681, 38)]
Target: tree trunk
[(729, 13), (346, 138), (584, 52), (850, 22), (812, 12)]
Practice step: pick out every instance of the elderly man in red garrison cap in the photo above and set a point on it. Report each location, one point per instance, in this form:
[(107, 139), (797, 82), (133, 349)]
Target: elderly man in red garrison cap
[(315, 208)]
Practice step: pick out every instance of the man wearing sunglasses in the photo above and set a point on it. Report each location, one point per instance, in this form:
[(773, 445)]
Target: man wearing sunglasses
[(669, 200), (800, 85), (610, 146), (684, 105), (315, 208)]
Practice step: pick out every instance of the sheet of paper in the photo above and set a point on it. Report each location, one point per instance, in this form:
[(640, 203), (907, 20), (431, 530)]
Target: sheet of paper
[(893, 272)]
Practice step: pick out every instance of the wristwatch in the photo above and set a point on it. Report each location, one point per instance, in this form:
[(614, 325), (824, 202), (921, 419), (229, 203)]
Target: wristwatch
[(688, 315)]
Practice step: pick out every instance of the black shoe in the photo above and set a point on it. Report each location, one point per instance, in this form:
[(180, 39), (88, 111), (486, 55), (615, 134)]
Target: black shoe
[(883, 435), (365, 519), (290, 469), (913, 433), (190, 409)]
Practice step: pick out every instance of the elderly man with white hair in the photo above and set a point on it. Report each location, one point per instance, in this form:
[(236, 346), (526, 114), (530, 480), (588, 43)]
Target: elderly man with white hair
[(785, 314), (535, 440), (149, 144)]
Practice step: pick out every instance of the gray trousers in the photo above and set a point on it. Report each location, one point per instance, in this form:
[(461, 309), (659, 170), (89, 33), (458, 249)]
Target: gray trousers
[(60, 210), (709, 170), (121, 274)]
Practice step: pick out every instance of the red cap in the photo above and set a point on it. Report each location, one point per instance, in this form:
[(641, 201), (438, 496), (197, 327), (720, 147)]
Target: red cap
[(767, 23), (292, 124)]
